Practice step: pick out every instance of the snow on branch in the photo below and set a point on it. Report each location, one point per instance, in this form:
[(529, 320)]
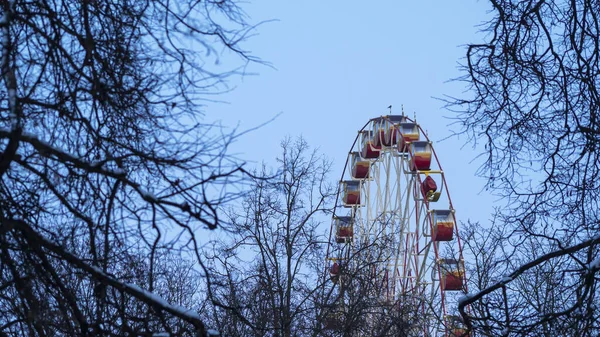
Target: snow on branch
[(464, 301), (131, 289)]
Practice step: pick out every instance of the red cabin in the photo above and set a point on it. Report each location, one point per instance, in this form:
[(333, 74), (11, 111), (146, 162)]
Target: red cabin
[(452, 281), (443, 225), (360, 167), (409, 132), (452, 275), (369, 149), (420, 155), (334, 272), (344, 229), (429, 189), (350, 193)]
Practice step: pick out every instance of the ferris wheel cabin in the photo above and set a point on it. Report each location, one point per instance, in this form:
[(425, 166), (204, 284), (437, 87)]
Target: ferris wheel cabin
[(369, 149), (360, 167), (351, 193), (334, 318), (409, 132), (334, 272), (452, 274), (386, 129), (455, 326), (443, 225), (420, 153), (344, 229), (429, 189)]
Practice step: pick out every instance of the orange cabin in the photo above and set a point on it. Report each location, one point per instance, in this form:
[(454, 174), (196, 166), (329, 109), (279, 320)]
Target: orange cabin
[(350, 193), (344, 229), (420, 155), (360, 167), (370, 150), (443, 225), (409, 132)]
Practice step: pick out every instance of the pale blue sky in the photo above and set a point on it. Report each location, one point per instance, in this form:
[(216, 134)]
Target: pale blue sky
[(339, 63)]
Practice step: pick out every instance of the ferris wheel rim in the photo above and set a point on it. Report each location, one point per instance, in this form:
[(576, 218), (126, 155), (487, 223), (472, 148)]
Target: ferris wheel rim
[(347, 171)]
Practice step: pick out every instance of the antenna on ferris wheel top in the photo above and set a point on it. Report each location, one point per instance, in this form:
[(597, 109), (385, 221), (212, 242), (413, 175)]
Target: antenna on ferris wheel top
[(402, 110), (390, 107)]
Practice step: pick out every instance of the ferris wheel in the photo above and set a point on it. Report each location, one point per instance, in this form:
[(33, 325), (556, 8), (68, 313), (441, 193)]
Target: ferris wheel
[(394, 245)]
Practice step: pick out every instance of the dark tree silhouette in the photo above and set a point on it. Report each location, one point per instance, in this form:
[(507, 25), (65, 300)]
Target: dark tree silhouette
[(267, 271), (270, 277), (105, 163), (357, 306), (534, 103)]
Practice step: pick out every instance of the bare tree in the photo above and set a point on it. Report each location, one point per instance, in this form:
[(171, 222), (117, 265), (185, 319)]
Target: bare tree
[(105, 164), (272, 264), (534, 105), (359, 304), (271, 278), (531, 302)]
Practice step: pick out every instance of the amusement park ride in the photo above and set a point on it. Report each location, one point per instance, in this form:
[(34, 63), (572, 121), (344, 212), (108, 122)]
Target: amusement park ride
[(394, 243)]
